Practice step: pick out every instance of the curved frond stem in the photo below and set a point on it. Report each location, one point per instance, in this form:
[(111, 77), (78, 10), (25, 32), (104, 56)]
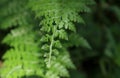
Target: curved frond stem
[(50, 49), (13, 70)]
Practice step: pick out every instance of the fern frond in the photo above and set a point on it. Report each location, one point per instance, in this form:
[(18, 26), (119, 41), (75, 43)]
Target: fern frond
[(23, 58), (12, 13), (57, 18), (39, 52)]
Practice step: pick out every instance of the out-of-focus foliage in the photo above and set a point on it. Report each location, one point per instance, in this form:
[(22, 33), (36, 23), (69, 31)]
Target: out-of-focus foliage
[(102, 31)]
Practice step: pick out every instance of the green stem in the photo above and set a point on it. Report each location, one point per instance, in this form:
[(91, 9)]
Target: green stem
[(50, 49), (13, 70)]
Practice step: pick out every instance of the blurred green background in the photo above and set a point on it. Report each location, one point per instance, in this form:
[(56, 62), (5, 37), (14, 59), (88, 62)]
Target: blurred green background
[(102, 31)]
